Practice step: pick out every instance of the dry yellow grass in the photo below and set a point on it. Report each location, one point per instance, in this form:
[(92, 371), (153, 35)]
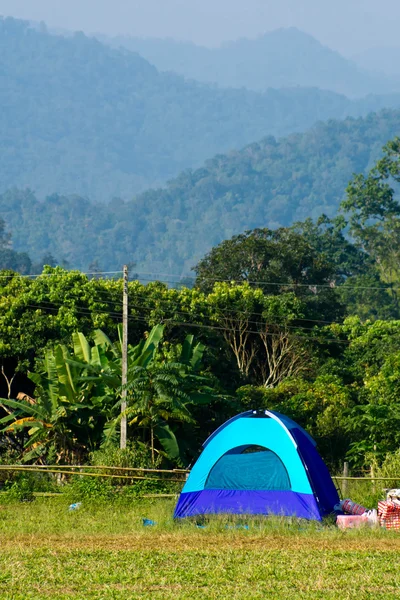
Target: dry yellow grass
[(184, 541)]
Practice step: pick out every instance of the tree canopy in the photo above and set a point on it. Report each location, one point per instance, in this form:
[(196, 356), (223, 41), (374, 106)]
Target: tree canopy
[(269, 184)]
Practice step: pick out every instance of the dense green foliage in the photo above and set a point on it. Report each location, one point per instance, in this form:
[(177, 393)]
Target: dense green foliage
[(256, 348), (281, 58), (79, 117), (268, 184)]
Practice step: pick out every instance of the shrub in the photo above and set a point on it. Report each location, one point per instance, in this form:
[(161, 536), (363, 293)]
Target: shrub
[(23, 485), (7, 458), (390, 468), (85, 488), (21, 488), (144, 487), (136, 455)]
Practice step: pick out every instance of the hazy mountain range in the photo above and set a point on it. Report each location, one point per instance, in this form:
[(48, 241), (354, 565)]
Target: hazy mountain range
[(78, 117), (86, 124), (281, 58)]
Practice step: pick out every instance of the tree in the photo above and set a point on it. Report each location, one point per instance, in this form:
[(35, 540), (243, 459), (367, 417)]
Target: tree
[(42, 312), (47, 260), (329, 238), (374, 212), (9, 259), (261, 331), (322, 405), (277, 262)]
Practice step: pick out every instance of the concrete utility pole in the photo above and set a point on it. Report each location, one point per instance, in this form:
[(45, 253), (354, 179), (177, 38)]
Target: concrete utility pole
[(124, 378)]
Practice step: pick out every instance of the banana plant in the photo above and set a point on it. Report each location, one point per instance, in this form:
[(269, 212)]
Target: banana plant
[(141, 354), (74, 398)]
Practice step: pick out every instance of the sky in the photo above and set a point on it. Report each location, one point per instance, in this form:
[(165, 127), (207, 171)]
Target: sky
[(349, 26)]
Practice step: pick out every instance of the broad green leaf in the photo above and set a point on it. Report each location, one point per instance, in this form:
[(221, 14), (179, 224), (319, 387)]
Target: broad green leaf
[(187, 348), (155, 336), (167, 439), (64, 373), (101, 339), (197, 355), (81, 347), (96, 360), (52, 377), (30, 409)]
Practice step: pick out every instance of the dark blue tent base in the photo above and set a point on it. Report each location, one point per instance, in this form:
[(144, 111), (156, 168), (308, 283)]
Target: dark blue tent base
[(249, 502)]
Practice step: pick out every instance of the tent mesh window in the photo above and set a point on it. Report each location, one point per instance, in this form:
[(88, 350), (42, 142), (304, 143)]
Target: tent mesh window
[(249, 468)]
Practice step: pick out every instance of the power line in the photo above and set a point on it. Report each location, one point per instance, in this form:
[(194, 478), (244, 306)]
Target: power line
[(101, 300), (114, 303), (158, 304), (88, 312), (115, 313), (82, 310), (91, 310), (187, 314), (66, 273), (160, 300), (260, 282), (214, 279), (312, 338), (229, 311)]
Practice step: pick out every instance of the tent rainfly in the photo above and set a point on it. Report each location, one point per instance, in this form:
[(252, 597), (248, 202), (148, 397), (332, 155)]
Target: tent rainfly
[(259, 462)]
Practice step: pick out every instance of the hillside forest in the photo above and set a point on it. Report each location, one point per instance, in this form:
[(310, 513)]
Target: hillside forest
[(303, 319), (271, 183), (79, 117)]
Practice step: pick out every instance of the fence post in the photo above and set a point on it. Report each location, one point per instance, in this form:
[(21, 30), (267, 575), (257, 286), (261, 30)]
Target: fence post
[(345, 481), (373, 478)]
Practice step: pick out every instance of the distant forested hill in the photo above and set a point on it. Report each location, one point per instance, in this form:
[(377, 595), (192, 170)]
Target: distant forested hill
[(79, 117), (266, 184), (281, 58)]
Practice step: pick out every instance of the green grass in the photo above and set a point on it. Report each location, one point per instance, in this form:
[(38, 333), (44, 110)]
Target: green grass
[(103, 552)]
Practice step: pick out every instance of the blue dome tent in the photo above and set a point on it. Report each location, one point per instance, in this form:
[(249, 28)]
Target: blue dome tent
[(259, 462)]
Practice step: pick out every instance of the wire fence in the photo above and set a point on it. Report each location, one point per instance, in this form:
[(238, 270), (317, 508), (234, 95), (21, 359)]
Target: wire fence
[(363, 489), (49, 480), (130, 473)]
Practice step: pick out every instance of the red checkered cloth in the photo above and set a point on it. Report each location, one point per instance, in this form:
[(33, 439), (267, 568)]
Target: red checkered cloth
[(389, 514), (351, 508)]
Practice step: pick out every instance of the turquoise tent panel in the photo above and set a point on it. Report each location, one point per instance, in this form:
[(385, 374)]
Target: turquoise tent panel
[(249, 431), (259, 470)]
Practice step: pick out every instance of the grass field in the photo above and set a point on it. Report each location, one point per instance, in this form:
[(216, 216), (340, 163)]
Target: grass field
[(105, 552)]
